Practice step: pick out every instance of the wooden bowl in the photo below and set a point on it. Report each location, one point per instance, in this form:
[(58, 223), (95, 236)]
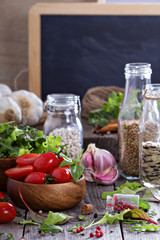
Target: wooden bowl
[(47, 196), (5, 163)]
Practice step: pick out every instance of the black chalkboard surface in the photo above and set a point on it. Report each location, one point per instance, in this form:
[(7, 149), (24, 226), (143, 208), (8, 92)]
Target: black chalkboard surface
[(80, 51)]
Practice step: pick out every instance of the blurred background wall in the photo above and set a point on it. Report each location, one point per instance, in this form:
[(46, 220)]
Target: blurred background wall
[(14, 40)]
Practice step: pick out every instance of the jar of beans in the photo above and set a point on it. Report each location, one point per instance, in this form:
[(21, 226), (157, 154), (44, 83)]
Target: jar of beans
[(150, 137), (63, 120), (137, 76)]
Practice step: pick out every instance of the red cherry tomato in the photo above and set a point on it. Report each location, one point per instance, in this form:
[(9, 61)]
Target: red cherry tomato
[(20, 172), (35, 178), (71, 179), (45, 162), (2, 196), (7, 212), (27, 159), (60, 174), (60, 160)]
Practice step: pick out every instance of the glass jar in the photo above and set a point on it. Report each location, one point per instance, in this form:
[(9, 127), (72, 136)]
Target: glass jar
[(63, 119), (150, 137), (137, 75)]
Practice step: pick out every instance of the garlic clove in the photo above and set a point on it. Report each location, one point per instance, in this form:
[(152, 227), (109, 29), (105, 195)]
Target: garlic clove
[(89, 160), (102, 159), (106, 177), (98, 165), (5, 90), (88, 174), (30, 105), (9, 110)]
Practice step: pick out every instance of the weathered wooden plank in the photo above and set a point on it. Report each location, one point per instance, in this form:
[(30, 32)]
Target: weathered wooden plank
[(144, 235), (92, 196)]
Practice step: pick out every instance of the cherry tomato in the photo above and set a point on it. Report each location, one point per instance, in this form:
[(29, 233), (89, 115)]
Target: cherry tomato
[(45, 162), (60, 160), (7, 212), (71, 179), (2, 196), (27, 159), (60, 174), (19, 172), (35, 178)]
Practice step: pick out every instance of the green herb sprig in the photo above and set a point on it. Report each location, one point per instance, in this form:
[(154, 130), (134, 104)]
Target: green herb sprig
[(109, 110)]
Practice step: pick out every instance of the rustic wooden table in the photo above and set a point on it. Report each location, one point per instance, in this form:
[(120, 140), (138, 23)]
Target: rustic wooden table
[(92, 196)]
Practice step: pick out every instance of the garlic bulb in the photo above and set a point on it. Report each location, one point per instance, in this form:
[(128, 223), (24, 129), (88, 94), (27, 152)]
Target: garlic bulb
[(9, 110), (4, 90), (31, 106), (99, 165)]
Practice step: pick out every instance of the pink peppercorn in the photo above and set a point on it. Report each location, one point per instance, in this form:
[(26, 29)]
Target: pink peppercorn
[(78, 230), (98, 235), (98, 227), (81, 228), (96, 231), (91, 234), (101, 232)]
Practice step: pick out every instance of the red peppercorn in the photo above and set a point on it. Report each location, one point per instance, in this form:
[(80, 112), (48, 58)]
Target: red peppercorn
[(101, 232), (81, 228), (115, 198), (96, 231), (78, 230), (98, 227), (91, 234), (98, 235)]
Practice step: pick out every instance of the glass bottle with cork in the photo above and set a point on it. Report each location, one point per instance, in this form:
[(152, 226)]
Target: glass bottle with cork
[(137, 75), (150, 137)]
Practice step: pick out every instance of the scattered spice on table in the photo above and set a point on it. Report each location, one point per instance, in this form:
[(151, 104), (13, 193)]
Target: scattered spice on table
[(86, 209)]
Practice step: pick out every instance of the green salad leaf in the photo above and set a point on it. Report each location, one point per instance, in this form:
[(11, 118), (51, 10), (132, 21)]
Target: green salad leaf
[(126, 188), (18, 140), (109, 110), (56, 218), (143, 204), (8, 236), (75, 170), (53, 229), (110, 218), (152, 194), (27, 222), (144, 228), (81, 217)]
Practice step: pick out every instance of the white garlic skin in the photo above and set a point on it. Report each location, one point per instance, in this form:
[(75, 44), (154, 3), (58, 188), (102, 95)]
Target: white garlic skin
[(31, 106), (9, 110), (4, 90)]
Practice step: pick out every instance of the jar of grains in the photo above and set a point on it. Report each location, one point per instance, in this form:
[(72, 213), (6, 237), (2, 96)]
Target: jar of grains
[(150, 137), (137, 76), (63, 119)]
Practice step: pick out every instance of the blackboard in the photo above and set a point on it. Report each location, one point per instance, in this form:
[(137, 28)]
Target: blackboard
[(80, 51)]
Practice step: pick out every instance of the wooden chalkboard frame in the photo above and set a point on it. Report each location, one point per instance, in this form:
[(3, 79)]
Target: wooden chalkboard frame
[(71, 9)]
